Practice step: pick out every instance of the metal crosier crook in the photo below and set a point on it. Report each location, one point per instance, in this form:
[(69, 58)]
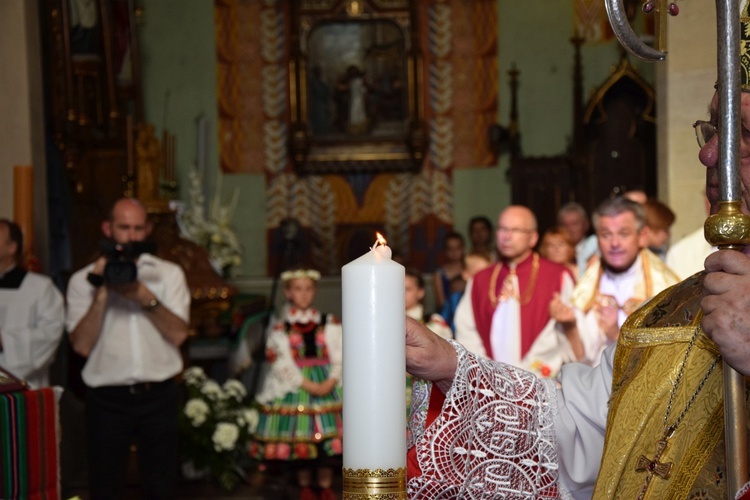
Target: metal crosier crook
[(625, 34), (728, 229)]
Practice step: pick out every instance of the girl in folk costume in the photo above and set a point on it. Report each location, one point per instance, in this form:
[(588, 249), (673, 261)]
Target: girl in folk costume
[(300, 398)]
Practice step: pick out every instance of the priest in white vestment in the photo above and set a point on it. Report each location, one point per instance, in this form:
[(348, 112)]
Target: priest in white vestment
[(623, 277), (686, 257), (32, 313)]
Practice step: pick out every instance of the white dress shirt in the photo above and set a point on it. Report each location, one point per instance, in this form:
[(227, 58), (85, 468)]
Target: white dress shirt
[(130, 349)]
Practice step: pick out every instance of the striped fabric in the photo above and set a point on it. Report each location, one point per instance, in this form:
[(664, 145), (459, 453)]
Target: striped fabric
[(29, 451), (300, 426)]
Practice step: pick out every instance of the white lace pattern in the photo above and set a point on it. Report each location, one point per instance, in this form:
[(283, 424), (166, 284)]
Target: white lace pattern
[(494, 437)]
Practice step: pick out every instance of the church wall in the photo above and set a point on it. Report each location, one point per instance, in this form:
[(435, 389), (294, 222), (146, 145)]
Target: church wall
[(16, 148), (22, 128), (179, 50), (689, 74), (179, 57), (545, 93)]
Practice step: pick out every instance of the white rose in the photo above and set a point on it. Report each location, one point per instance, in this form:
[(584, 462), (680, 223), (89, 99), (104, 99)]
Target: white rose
[(194, 375), (197, 410), (251, 416), (235, 389), (225, 436), (212, 389)]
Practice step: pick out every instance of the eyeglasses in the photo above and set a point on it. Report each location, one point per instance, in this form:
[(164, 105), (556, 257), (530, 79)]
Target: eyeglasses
[(704, 131), (514, 230)]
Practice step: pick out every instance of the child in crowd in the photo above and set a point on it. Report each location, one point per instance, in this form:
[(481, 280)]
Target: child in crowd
[(473, 263), (300, 397), (558, 247), (659, 218), (482, 237), (414, 290), (451, 269)]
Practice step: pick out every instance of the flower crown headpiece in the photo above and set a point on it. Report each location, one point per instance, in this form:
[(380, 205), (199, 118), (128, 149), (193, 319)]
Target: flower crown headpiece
[(300, 273)]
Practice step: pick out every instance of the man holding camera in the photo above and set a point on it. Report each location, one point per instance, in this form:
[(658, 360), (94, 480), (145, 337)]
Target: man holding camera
[(130, 333)]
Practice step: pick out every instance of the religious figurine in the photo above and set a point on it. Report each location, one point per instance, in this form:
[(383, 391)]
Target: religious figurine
[(149, 162)]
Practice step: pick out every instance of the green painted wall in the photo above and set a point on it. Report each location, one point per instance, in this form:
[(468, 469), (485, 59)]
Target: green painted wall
[(178, 51), (179, 57)]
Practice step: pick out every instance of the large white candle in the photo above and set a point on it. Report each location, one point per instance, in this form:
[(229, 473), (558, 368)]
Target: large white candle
[(374, 378)]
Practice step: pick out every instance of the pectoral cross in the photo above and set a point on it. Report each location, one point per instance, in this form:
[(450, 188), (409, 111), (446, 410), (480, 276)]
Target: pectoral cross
[(654, 467)]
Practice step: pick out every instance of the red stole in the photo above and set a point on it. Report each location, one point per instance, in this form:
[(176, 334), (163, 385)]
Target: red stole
[(534, 315)]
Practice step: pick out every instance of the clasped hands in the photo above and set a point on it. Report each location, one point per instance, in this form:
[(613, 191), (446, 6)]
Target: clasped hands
[(319, 388), (561, 312)]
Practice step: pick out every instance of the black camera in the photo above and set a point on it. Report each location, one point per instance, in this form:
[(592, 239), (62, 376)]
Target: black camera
[(121, 268)]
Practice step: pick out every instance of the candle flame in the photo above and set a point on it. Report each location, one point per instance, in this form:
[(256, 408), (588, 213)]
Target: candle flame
[(380, 240)]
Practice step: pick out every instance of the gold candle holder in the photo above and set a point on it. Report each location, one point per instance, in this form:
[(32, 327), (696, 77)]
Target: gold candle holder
[(369, 484)]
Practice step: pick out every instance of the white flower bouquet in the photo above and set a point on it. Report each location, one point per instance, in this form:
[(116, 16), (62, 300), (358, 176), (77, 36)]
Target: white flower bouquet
[(214, 233), (215, 426)]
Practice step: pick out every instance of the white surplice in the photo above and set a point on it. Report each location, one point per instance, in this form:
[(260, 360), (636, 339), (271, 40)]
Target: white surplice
[(504, 433), (31, 327)]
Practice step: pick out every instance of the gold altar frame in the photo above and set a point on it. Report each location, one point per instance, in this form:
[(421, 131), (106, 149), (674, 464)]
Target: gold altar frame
[(368, 46)]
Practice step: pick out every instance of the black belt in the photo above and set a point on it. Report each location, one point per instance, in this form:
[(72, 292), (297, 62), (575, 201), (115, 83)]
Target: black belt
[(137, 388)]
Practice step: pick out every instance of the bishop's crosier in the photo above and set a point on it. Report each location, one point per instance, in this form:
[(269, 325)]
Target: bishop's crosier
[(374, 384)]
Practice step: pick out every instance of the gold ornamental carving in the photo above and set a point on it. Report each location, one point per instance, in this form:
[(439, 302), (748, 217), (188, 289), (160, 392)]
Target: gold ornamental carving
[(729, 228)]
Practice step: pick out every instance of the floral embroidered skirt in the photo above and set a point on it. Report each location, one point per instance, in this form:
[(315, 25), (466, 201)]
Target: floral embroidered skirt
[(300, 426)]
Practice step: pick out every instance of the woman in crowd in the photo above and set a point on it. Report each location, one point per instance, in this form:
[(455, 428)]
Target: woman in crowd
[(558, 247), (452, 268), (482, 237)]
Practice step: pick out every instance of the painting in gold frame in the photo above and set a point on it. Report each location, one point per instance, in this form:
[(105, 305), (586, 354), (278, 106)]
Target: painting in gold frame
[(355, 88)]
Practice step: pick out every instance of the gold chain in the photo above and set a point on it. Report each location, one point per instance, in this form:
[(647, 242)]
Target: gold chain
[(669, 429), (527, 293)]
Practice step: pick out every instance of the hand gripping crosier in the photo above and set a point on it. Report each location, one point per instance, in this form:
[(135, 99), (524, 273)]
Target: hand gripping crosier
[(729, 229)]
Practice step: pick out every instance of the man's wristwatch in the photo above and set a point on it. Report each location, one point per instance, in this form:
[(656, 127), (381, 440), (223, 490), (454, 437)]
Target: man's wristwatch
[(152, 305)]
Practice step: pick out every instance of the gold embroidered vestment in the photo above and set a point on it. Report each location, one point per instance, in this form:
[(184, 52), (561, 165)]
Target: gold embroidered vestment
[(651, 349)]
